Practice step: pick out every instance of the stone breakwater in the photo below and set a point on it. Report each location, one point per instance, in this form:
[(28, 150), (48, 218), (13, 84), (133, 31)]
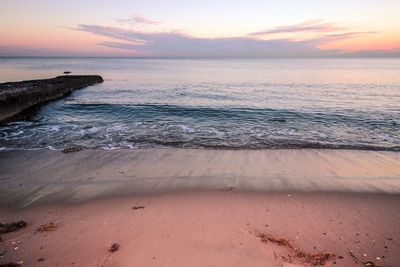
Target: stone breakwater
[(16, 97)]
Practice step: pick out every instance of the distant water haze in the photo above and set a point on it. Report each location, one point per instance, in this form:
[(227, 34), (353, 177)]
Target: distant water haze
[(213, 103)]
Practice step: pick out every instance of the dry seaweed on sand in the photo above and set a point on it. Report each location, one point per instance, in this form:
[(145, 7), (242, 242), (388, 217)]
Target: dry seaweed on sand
[(316, 259), (47, 227), (137, 207), (313, 259), (11, 227), (114, 247), (278, 241)]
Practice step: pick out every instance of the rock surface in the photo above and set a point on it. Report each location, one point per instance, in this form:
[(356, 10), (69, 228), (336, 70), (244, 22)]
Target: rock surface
[(16, 97)]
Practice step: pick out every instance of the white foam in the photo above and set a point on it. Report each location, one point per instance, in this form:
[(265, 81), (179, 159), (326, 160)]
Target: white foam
[(187, 128)]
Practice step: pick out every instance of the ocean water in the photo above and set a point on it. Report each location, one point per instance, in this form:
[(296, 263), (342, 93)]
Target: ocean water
[(213, 103)]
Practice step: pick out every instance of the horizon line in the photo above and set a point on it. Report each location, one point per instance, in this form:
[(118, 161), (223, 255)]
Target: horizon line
[(222, 57)]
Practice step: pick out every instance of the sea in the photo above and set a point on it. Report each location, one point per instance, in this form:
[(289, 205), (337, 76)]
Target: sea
[(212, 104)]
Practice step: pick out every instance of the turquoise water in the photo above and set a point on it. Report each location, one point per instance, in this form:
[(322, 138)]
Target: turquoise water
[(214, 103)]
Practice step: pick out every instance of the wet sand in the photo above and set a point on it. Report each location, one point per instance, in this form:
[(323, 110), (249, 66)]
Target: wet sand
[(174, 207), (34, 177)]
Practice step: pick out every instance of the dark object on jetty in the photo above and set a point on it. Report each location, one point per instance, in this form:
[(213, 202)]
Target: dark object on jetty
[(16, 97)]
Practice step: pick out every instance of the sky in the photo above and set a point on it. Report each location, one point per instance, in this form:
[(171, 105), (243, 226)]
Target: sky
[(207, 28)]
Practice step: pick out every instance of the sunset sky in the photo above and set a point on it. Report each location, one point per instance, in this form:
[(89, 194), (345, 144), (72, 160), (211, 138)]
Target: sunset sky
[(207, 28)]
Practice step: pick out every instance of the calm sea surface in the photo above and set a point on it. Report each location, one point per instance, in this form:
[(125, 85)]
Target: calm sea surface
[(214, 103)]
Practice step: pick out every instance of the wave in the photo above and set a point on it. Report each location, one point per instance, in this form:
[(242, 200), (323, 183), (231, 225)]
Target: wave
[(232, 113), (112, 126)]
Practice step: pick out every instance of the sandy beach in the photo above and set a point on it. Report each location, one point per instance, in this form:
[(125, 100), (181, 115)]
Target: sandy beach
[(199, 133), (181, 207)]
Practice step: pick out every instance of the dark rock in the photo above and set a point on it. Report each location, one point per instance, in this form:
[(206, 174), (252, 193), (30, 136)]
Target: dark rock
[(16, 97), (67, 72)]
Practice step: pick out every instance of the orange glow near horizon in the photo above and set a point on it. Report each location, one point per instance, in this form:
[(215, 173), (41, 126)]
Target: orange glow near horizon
[(378, 42)]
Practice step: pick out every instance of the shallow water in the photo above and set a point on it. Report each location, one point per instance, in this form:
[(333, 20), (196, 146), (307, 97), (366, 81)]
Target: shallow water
[(214, 103)]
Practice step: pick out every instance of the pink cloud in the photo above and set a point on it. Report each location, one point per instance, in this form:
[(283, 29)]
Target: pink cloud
[(137, 20), (178, 44), (311, 26)]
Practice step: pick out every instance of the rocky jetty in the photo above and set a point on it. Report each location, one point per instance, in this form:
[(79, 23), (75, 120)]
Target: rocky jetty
[(16, 97)]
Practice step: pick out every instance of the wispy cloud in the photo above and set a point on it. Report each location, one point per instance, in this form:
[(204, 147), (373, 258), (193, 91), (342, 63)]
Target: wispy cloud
[(318, 31), (344, 35), (114, 33), (137, 20), (310, 26)]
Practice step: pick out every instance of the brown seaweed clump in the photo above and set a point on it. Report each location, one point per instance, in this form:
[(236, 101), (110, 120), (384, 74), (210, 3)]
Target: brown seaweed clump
[(316, 259), (296, 255), (278, 241), (47, 227)]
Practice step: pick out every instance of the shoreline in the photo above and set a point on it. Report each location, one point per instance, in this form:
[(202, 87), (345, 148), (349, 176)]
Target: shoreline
[(219, 148), (31, 177)]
